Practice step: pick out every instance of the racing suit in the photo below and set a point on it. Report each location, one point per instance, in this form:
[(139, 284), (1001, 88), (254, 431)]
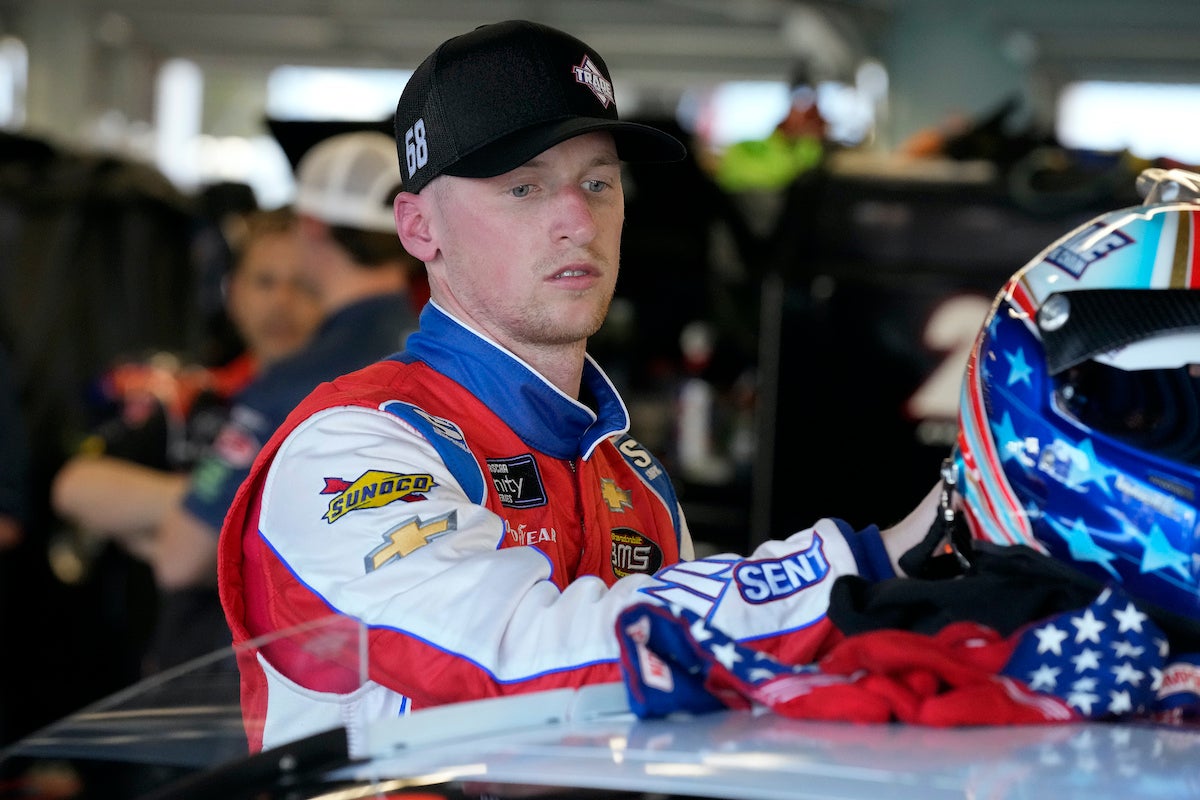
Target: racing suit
[(486, 530)]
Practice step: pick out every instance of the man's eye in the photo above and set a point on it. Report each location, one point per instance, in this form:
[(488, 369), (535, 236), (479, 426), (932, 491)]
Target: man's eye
[(521, 191), (595, 186)]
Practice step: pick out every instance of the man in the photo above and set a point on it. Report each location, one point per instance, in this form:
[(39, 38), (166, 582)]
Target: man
[(361, 275), (476, 502), (131, 471), (132, 468)]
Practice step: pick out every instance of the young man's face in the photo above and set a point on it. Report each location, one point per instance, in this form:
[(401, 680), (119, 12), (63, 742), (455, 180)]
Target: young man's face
[(271, 302), (530, 257)]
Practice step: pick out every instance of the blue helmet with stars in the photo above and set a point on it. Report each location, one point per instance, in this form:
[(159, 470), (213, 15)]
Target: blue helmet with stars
[(1079, 421)]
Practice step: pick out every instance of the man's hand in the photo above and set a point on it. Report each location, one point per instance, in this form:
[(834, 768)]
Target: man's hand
[(185, 552), (908, 532), (115, 498)]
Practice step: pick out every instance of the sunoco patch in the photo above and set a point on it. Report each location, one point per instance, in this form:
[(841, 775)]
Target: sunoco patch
[(373, 489)]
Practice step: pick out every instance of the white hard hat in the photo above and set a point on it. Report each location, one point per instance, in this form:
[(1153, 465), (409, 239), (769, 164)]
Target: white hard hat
[(350, 180)]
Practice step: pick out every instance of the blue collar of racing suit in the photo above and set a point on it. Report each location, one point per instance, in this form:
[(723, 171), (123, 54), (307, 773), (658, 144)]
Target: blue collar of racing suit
[(543, 416)]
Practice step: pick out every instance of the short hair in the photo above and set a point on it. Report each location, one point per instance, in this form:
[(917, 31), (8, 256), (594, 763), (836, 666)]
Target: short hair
[(371, 248), (259, 224)]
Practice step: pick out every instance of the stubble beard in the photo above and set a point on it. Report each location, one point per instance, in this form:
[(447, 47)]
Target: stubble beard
[(544, 329)]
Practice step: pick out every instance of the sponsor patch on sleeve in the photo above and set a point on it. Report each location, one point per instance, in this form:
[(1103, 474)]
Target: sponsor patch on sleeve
[(776, 578), (409, 536), (373, 489)]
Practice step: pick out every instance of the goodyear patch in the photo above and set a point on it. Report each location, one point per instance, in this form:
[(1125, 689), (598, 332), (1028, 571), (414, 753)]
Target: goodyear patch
[(373, 489), (522, 536), (633, 552)]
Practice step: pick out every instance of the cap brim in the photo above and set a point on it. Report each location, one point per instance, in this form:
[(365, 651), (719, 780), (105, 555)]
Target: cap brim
[(635, 142)]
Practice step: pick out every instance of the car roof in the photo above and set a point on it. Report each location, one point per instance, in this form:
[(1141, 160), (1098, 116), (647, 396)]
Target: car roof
[(581, 741)]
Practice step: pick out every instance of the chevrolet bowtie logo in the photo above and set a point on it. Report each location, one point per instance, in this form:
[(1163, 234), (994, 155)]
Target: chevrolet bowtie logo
[(615, 497), (410, 536)]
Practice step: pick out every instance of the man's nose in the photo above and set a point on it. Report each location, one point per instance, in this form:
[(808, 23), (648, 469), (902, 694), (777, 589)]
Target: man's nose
[(575, 216)]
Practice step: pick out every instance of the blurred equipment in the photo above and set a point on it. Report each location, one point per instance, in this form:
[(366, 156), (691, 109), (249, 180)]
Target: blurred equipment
[(95, 264), (297, 136)]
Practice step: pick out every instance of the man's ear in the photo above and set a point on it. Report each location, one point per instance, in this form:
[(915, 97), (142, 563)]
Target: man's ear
[(412, 225)]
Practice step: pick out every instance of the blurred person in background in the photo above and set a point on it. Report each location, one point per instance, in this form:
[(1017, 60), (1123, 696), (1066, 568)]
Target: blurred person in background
[(133, 469), (226, 208), (799, 143), (14, 486), (363, 278)]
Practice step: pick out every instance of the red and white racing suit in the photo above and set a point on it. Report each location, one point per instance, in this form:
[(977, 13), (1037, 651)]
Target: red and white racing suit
[(486, 530)]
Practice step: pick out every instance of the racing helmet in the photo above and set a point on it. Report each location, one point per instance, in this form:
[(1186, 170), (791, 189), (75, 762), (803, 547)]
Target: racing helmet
[(1079, 420)]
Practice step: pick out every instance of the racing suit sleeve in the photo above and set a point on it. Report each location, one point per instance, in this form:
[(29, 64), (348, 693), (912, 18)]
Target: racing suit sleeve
[(451, 615)]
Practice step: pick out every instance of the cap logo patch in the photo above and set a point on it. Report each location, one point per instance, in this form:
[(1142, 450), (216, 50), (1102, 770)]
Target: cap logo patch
[(590, 76)]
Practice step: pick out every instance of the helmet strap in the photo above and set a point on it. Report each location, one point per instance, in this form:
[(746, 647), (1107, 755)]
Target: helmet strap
[(946, 550)]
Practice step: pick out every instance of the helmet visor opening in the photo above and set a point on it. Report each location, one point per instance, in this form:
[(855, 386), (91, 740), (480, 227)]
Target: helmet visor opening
[(1154, 410), (1080, 325)]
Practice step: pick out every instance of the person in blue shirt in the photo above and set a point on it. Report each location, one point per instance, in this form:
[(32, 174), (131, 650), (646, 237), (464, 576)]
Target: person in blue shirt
[(163, 411), (368, 288)]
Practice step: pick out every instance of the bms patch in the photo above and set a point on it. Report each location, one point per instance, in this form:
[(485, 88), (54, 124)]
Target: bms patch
[(634, 553)]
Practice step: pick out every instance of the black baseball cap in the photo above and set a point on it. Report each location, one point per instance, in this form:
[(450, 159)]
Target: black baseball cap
[(487, 101)]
